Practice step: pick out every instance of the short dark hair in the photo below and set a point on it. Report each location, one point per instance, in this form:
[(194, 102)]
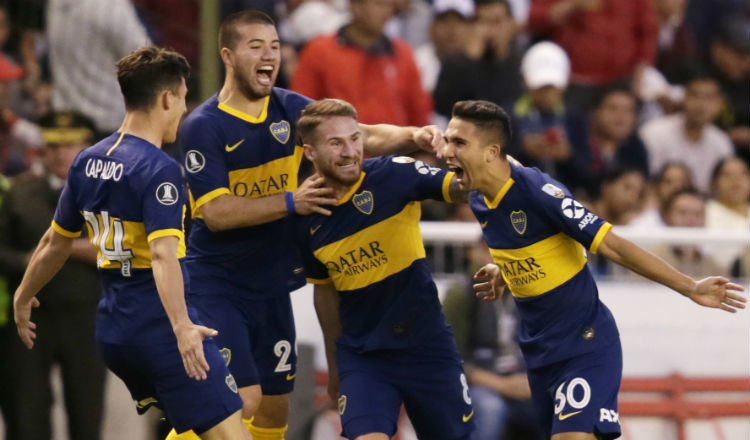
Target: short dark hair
[(318, 112), (690, 191), (228, 35), (720, 165), (145, 72), (487, 116)]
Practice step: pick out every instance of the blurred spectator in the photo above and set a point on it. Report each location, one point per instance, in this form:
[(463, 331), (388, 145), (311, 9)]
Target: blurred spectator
[(608, 41), (449, 32), (310, 19), (676, 45), (690, 136), (729, 208), (705, 17), (672, 177), (621, 196), (547, 134), (612, 137), (360, 64), (687, 209), (485, 333), (489, 67), (730, 64), (86, 38), (18, 137), (66, 316), (410, 22)]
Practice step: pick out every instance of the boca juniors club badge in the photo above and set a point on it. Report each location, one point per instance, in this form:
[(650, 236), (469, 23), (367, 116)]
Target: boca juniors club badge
[(364, 202), (518, 220), (342, 404), (281, 131)]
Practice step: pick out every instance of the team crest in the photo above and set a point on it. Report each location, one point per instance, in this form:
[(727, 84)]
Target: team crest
[(231, 383), (342, 404), (194, 161), (166, 194), (281, 131), (518, 220), (553, 191), (226, 354), (364, 202)]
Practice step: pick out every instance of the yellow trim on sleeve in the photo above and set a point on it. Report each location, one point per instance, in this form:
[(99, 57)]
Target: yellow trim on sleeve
[(165, 233), (319, 282), (207, 197), (496, 201), (64, 232), (599, 237), (447, 186), (351, 191), (244, 116), (122, 135)]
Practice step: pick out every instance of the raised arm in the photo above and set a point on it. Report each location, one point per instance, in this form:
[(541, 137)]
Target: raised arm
[(50, 255), (326, 301), (384, 139), (169, 284), (715, 292)]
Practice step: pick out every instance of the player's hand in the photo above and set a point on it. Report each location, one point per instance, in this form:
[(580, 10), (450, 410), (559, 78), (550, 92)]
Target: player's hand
[(190, 343), (718, 293), (489, 282), (22, 315), (311, 196), (430, 138)]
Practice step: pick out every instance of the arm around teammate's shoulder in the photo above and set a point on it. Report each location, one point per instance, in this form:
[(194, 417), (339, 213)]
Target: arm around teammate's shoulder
[(715, 292)]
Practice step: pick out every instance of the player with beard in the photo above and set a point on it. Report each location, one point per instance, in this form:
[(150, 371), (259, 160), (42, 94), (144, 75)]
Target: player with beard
[(242, 161), (387, 342), (538, 236)]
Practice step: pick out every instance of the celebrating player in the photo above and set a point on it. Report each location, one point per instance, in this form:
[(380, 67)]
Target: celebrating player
[(538, 234), (130, 196)]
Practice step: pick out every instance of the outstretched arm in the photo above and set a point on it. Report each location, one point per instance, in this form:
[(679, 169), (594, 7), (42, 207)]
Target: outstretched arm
[(50, 255), (715, 292), (326, 301), (384, 139)]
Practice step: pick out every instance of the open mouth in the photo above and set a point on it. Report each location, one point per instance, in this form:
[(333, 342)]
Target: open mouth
[(265, 75), (458, 170)]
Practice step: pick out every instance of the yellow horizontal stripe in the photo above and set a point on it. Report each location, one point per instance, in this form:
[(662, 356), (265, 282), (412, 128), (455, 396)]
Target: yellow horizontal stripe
[(352, 190), (499, 196), (244, 116), (64, 232), (164, 233), (317, 281), (274, 177), (606, 227), (540, 267), (447, 187), (376, 252), (207, 197)]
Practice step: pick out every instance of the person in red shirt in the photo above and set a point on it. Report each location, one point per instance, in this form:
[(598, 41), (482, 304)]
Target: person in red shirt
[(361, 65)]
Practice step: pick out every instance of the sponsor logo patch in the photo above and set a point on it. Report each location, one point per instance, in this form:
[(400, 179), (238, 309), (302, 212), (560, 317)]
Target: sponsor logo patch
[(194, 161), (571, 208), (403, 159), (553, 190), (166, 194)]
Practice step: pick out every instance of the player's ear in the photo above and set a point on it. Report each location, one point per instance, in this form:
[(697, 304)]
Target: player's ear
[(491, 152), (309, 152), (226, 56), (164, 101)]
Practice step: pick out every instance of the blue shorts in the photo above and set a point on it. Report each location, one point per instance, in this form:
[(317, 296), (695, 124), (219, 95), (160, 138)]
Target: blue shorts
[(256, 337), (431, 385), (580, 394), (155, 375)]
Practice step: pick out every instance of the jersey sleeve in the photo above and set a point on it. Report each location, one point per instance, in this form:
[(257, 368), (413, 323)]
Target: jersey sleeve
[(570, 216), (205, 165), (163, 203), (68, 220), (315, 271), (418, 180)]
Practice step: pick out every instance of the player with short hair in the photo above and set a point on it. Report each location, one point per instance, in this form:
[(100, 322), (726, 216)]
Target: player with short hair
[(538, 235), (242, 160), (386, 338), (130, 196)]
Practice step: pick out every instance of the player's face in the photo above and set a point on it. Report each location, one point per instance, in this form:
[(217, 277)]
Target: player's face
[(464, 152), (255, 59), (177, 110), (337, 153)]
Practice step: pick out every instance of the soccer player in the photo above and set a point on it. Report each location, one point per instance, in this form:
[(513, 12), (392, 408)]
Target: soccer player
[(386, 338), (130, 196), (242, 161), (538, 236)]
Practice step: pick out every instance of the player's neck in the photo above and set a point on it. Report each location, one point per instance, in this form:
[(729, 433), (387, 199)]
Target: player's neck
[(143, 125), (231, 96), (494, 178)]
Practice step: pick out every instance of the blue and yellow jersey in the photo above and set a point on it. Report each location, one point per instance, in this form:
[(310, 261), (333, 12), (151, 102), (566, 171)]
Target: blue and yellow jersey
[(538, 235), (126, 192), (227, 151), (371, 249)]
